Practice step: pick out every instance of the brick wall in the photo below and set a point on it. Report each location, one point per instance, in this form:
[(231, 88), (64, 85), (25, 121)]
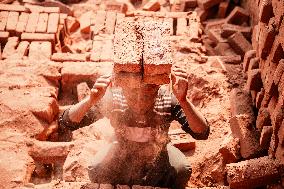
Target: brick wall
[(268, 45)]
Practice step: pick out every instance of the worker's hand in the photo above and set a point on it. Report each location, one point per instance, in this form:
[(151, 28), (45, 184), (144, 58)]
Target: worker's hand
[(179, 78), (99, 88)]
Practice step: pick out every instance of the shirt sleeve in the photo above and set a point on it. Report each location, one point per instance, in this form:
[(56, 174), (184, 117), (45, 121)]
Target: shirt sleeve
[(178, 115)]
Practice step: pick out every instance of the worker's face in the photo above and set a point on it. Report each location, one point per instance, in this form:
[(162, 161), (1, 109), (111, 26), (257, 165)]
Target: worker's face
[(142, 99)]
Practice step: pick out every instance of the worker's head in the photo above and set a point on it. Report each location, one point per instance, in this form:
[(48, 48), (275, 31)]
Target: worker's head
[(141, 99)]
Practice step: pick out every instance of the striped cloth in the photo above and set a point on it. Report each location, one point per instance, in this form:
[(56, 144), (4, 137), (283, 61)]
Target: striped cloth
[(114, 105)]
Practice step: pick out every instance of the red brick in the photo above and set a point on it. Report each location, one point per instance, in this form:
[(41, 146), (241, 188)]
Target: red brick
[(281, 85), (127, 47), (277, 52), (142, 187), (12, 22), (255, 37), (248, 56), (178, 6), (232, 59), (107, 51), (42, 9), (239, 43), (224, 49), (38, 37), (110, 22), (3, 20), (278, 72), (68, 57), (42, 23), (263, 119), (272, 103), (259, 98), (63, 8), (183, 142), (22, 23), (277, 114), (40, 50), (158, 79), (116, 6), (122, 187), (223, 7), (230, 149), (279, 154), (53, 21), (10, 47), (85, 22), (254, 81), (238, 16), (242, 128), (152, 5), (229, 29), (214, 24), (170, 21), (182, 26), (266, 40), (83, 90), (206, 4), (266, 11), (13, 7), (99, 22), (4, 37), (96, 50), (265, 137), (49, 152), (130, 79), (32, 22), (253, 173), (241, 103)]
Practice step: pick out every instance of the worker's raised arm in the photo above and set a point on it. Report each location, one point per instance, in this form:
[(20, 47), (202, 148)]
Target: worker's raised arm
[(78, 111), (196, 121)]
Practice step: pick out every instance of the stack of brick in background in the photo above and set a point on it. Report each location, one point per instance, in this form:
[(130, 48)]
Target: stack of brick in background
[(263, 134), (142, 52), (32, 24)]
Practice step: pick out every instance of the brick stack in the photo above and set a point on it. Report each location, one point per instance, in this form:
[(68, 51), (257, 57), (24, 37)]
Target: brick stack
[(32, 24), (264, 68), (142, 50)]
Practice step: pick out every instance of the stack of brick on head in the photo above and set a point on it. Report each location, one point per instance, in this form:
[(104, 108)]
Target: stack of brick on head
[(142, 52), (140, 110)]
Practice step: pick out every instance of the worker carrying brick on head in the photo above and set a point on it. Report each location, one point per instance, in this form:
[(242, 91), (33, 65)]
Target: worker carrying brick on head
[(141, 152), (140, 112)]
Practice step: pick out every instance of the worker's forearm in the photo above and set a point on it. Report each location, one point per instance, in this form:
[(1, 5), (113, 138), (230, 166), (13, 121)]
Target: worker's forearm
[(196, 120), (78, 111)]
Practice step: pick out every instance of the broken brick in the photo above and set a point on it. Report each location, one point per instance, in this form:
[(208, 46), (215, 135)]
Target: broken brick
[(68, 57), (238, 16), (253, 173), (254, 80), (22, 50), (53, 21), (116, 6), (152, 5), (253, 64), (224, 49), (265, 137), (215, 35), (42, 23), (32, 22), (263, 119), (49, 152), (248, 56), (229, 29), (12, 22), (190, 4), (239, 43), (242, 128), (72, 24), (178, 6), (206, 4), (230, 149)]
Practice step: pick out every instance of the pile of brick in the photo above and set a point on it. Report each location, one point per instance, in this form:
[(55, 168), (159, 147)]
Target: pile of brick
[(32, 23), (261, 136), (142, 50)]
